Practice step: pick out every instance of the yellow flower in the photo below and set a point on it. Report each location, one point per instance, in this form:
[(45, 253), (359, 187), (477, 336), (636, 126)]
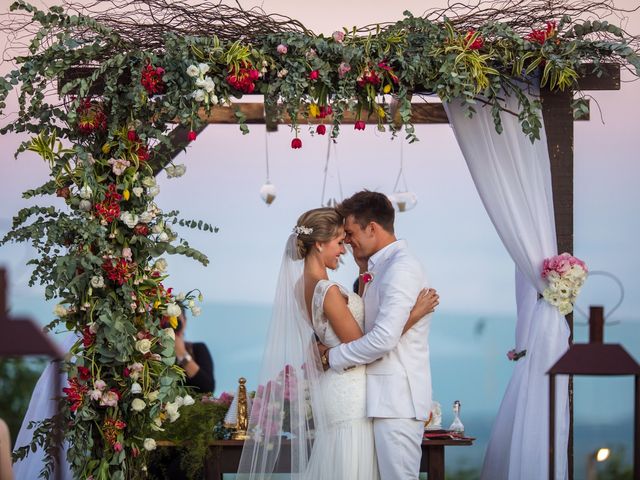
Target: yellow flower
[(173, 321), (156, 304), (387, 88), (381, 113), (106, 148), (314, 110), (126, 195)]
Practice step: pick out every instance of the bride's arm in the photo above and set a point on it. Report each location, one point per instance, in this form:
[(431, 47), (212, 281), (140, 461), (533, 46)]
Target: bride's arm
[(426, 303), (340, 317)]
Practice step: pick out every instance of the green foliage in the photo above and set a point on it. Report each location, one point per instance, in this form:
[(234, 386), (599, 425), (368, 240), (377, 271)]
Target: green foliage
[(18, 377)]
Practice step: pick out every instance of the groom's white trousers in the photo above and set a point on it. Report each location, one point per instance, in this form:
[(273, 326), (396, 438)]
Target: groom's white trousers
[(398, 447)]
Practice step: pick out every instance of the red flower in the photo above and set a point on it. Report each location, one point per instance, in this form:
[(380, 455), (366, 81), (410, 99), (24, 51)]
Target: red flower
[(63, 192), (85, 373), (90, 117), (314, 75), (141, 229), (244, 78), (143, 153), (152, 79), (359, 125), (132, 135), (477, 44), (88, 338), (321, 129), (135, 451), (109, 209), (75, 393), (324, 111), (296, 143), (118, 272), (126, 372), (541, 36), (191, 136), (366, 277)]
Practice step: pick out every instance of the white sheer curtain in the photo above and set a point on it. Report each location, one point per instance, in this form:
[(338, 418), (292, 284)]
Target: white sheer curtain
[(513, 179)]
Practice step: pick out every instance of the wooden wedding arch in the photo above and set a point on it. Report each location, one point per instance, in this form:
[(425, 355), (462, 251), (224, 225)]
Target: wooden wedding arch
[(86, 81)]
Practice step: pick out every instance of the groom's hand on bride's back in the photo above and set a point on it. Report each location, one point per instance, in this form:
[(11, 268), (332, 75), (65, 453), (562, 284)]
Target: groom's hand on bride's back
[(323, 350)]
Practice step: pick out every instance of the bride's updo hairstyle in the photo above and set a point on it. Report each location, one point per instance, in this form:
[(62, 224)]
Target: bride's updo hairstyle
[(317, 225)]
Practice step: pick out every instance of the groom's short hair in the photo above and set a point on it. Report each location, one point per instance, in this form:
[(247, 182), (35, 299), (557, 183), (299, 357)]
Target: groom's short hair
[(366, 207)]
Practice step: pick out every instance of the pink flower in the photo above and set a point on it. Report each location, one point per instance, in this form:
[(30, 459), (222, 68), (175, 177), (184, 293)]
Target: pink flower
[(99, 385), (314, 74), (191, 136), (321, 129), (338, 36), (359, 125), (126, 253), (343, 69), (110, 398), (118, 165), (282, 49), (296, 143), (511, 354), (117, 447)]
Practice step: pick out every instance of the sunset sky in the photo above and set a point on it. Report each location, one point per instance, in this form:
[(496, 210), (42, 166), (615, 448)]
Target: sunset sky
[(449, 229)]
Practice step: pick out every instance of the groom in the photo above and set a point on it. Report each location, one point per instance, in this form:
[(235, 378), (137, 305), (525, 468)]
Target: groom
[(398, 369)]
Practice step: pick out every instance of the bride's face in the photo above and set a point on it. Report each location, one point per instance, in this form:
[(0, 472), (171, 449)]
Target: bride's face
[(332, 250)]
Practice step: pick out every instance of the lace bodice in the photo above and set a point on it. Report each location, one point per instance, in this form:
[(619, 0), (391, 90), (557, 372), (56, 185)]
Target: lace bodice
[(321, 323)]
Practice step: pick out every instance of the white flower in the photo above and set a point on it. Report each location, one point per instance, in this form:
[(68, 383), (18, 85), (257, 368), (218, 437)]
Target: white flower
[(173, 310), (136, 388), (160, 265), (146, 217), (172, 410), (170, 332), (191, 303), (143, 346), (213, 99), (95, 395), (196, 311), (93, 327), (137, 191), (129, 219), (85, 205), (204, 68), (188, 400), (193, 71), (86, 192), (153, 396), (200, 82), (149, 182), (181, 296), (208, 85), (60, 310), (138, 405), (97, 281), (180, 170), (163, 237), (157, 425), (157, 228), (199, 95), (149, 444), (99, 385), (153, 191), (283, 73)]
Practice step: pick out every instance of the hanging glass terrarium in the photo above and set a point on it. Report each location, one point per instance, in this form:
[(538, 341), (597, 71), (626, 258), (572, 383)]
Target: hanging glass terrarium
[(402, 198)]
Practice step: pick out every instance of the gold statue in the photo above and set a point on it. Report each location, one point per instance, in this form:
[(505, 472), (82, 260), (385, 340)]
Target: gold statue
[(237, 417)]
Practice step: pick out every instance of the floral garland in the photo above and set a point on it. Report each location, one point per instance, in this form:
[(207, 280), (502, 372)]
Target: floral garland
[(565, 275)]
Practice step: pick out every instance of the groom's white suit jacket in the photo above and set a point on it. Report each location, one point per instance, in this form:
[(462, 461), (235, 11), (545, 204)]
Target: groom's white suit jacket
[(398, 368)]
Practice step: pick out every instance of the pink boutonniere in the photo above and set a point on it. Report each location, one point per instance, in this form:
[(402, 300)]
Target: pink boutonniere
[(366, 277)]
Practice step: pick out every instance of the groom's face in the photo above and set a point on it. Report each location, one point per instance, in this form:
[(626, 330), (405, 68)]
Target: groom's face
[(362, 240)]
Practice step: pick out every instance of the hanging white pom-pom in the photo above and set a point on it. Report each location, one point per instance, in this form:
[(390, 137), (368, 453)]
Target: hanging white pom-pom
[(268, 193), (403, 201)]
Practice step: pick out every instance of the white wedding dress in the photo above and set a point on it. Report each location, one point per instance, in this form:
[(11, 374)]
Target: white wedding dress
[(344, 449)]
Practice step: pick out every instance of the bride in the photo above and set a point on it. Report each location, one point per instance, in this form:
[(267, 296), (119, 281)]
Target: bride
[(305, 420)]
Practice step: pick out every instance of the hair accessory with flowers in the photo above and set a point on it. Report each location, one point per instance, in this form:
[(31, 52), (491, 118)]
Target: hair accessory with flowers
[(302, 230), (566, 275)]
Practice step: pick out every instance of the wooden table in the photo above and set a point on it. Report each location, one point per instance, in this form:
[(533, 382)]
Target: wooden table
[(226, 456)]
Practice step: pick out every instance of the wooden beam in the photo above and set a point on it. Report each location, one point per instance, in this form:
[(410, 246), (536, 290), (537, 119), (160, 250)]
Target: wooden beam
[(609, 80), (558, 123)]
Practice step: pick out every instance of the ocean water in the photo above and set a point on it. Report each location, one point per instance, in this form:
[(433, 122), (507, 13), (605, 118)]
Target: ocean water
[(468, 363)]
